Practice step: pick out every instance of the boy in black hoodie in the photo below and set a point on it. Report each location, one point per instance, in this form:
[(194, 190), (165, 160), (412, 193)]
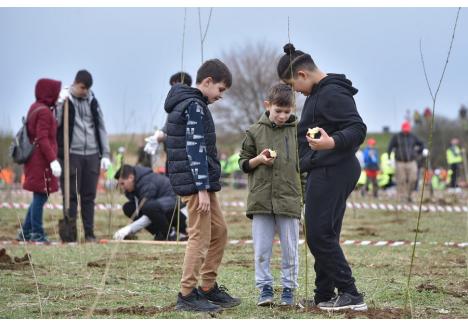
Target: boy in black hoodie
[(194, 171), (333, 171)]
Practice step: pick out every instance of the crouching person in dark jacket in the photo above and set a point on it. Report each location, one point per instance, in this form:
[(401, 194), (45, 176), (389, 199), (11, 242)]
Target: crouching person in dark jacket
[(158, 209)]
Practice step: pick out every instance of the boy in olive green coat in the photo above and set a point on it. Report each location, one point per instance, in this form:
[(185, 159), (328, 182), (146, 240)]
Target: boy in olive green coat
[(269, 156)]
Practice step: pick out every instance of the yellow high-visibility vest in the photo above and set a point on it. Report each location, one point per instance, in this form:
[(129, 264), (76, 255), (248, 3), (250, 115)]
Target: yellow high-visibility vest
[(454, 155)]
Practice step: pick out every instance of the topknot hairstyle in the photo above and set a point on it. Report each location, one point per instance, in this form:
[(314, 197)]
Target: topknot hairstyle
[(292, 61)]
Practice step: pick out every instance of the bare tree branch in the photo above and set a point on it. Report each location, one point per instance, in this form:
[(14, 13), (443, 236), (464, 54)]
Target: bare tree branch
[(426, 167)]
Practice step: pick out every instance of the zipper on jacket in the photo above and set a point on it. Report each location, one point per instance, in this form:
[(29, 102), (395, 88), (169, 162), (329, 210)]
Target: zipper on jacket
[(287, 146)]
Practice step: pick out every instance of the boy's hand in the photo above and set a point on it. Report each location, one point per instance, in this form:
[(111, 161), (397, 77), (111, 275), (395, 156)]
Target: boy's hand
[(264, 159), (203, 202), (323, 143)]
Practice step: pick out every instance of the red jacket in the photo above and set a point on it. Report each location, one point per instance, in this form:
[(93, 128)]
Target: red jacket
[(42, 129)]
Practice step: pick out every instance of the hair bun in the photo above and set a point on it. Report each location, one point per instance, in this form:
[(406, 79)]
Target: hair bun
[(289, 49)]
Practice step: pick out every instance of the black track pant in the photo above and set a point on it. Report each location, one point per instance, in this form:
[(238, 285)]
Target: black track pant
[(84, 175), (326, 194)]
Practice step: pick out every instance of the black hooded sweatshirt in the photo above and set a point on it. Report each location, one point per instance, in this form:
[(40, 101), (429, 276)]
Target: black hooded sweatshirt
[(331, 106)]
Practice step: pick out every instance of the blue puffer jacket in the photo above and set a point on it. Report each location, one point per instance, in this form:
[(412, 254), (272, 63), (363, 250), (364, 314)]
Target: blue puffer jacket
[(180, 174)]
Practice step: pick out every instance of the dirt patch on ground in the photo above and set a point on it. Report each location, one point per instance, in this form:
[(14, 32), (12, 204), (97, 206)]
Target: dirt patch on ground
[(165, 271), (8, 262), (458, 293), (131, 257), (243, 263), (396, 221), (420, 230), (366, 231), (134, 310)]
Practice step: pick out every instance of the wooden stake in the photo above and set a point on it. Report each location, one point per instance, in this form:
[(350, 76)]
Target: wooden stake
[(66, 160)]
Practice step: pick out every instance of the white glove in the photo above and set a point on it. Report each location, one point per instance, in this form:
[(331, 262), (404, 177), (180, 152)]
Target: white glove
[(152, 142), (160, 136), (425, 152), (64, 93), (134, 227), (105, 163), (122, 233), (56, 169)]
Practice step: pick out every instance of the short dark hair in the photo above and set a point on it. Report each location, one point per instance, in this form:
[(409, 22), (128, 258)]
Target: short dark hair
[(215, 69), (181, 77), (124, 172), (292, 61), (281, 95), (84, 77)]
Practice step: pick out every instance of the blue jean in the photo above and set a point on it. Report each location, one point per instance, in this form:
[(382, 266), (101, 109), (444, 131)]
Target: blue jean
[(32, 225)]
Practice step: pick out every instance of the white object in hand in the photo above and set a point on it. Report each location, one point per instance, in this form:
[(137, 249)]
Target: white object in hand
[(425, 152), (152, 143), (312, 131), (64, 93), (105, 163), (134, 227), (56, 168)]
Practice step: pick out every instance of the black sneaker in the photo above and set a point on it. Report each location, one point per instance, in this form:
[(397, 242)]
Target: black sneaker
[(195, 302), (219, 296), (344, 301)]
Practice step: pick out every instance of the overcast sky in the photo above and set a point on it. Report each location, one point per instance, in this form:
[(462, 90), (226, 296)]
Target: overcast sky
[(132, 52)]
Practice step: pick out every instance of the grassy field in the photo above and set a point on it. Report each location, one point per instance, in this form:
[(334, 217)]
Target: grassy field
[(141, 281)]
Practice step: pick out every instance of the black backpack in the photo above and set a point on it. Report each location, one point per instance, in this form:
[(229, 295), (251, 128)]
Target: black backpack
[(21, 148)]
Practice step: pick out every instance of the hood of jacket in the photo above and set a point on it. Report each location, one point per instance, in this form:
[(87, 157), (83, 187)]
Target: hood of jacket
[(338, 80), (47, 91), (180, 93), (265, 120)]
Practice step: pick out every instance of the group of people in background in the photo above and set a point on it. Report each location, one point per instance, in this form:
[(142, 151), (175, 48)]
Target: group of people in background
[(402, 165), (285, 164)]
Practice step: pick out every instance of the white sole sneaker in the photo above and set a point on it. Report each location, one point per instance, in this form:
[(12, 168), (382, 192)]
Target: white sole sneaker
[(357, 307)]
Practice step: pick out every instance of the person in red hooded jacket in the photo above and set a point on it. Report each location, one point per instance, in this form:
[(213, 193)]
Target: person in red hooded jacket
[(42, 169)]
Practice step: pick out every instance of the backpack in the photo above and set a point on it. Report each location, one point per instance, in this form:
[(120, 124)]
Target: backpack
[(21, 148)]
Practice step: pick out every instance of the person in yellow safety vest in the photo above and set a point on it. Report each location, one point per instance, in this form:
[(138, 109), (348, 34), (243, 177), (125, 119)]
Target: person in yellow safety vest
[(231, 164), (233, 170), (387, 170), (454, 160), (436, 181), (114, 167), (383, 179)]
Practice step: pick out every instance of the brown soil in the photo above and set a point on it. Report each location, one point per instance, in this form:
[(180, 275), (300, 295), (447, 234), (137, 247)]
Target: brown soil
[(366, 231), (135, 310), (421, 230), (9, 263), (459, 293)]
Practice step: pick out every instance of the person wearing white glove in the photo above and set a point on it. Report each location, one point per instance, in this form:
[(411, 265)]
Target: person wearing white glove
[(132, 228), (151, 197), (88, 147), (56, 168), (42, 165), (105, 163)]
